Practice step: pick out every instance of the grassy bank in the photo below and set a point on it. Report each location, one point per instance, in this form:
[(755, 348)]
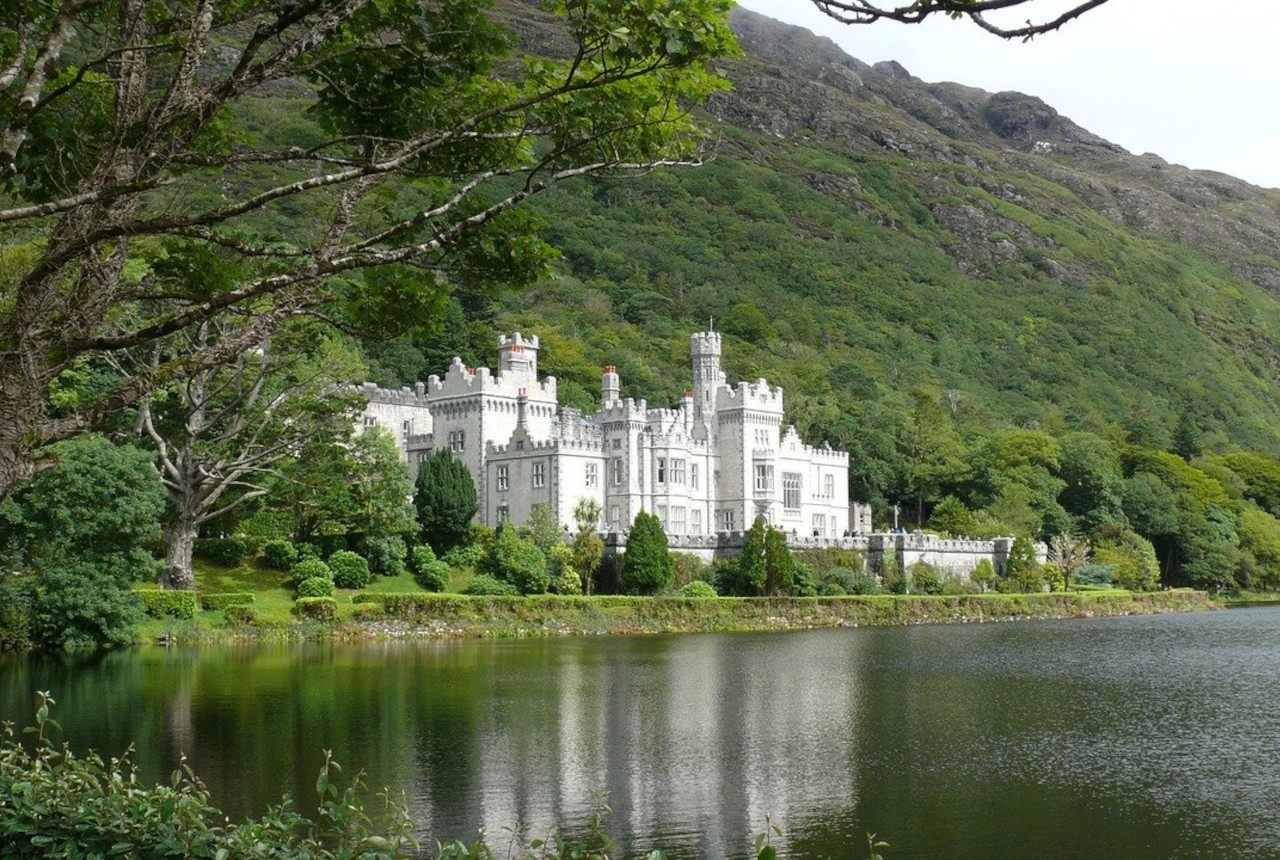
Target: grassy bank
[(397, 608)]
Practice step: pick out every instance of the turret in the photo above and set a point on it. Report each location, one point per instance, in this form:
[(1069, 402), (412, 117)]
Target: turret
[(610, 386), (704, 350), (518, 354)]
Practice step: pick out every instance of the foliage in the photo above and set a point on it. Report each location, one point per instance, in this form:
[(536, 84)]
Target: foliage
[(316, 586), (780, 567), (925, 578), (428, 571), (226, 599), (687, 567), (227, 552), (169, 604), (952, 517), (560, 568), (349, 569), (750, 571), (516, 560), (310, 568), (77, 533), (483, 584), (588, 546), (646, 566), (1021, 563), (385, 553), (445, 499), (240, 615), (61, 805), (1069, 554), (317, 608), (543, 529), (697, 588), (1095, 574), (1129, 557), (279, 554), (984, 572)]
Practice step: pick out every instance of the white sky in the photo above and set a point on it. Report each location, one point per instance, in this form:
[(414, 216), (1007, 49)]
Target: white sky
[(1196, 83)]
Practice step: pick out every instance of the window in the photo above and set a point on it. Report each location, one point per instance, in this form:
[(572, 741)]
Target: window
[(662, 517), (504, 479), (457, 441), (764, 478), (617, 472), (724, 519), (791, 491), (660, 475), (695, 521), (592, 476), (693, 476), (829, 486), (677, 520), (614, 514), (408, 427), (504, 513), (539, 474), (370, 421), (819, 524), (677, 471)]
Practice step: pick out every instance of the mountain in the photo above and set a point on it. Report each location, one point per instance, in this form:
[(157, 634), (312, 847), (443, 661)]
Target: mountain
[(865, 238)]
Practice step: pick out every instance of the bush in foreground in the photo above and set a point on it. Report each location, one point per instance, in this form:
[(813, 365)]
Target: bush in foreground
[(279, 554), (428, 571)]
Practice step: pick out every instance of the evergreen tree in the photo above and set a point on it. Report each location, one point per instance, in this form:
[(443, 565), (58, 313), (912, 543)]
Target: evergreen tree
[(646, 566), (1188, 441), (516, 560), (952, 517), (1022, 560), (780, 567), (752, 569), (445, 497)]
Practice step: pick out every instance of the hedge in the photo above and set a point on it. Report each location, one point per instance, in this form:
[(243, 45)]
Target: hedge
[(224, 599), (321, 608), (170, 604), (227, 552)]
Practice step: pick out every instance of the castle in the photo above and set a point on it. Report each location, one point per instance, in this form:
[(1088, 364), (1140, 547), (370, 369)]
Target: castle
[(706, 467)]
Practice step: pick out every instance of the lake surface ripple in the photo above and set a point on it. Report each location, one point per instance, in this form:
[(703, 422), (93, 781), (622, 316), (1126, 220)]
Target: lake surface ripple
[(1143, 737)]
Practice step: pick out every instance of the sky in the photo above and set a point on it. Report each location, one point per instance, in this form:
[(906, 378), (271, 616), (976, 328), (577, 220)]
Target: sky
[(1193, 82)]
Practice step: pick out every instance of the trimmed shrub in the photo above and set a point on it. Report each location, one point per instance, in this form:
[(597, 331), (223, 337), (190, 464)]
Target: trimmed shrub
[(316, 586), (240, 615), (428, 571), (319, 608), (484, 585), (349, 569), (309, 568), (169, 604), (369, 612), (697, 588), (225, 599), (306, 551), (279, 554), (227, 552), (366, 597)]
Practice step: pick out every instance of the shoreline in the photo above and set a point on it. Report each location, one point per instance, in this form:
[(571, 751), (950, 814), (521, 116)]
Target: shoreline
[(445, 616)]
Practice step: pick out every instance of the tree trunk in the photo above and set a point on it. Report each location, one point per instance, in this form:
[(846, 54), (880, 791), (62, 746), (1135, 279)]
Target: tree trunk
[(179, 541)]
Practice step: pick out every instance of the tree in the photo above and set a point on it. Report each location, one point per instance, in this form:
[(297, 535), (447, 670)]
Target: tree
[(932, 452), (119, 144), (867, 12), (646, 565), (1094, 481), (222, 430), (1021, 564), (588, 548), (445, 497), (543, 528), (951, 517), (753, 572), (511, 558), (1069, 553), (779, 566), (1188, 440), (78, 531)]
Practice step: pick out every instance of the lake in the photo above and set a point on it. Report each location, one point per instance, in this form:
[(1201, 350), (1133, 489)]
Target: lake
[(1139, 737)]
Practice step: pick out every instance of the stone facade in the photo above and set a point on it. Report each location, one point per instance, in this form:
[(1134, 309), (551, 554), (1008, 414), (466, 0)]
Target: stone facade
[(709, 465)]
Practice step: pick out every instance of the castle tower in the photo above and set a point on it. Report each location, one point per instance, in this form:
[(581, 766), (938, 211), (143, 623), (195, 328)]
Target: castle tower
[(610, 386), (518, 355), (704, 350)]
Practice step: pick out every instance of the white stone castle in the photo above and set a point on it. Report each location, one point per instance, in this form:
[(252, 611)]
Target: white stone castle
[(707, 467)]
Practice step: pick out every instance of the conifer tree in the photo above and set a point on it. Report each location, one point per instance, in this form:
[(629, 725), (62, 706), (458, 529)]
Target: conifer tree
[(753, 572), (445, 497), (646, 566), (780, 567)]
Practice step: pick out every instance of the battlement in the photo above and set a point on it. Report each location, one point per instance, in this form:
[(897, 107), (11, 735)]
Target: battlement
[(372, 393), (628, 409), (460, 380), (517, 342), (546, 446), (704, 343), (750, 395)]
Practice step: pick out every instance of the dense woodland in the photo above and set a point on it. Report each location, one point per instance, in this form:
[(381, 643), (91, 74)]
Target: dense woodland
[(998, 354)]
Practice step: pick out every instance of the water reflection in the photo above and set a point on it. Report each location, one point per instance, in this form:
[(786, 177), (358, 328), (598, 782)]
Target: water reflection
[(1130, 737)]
